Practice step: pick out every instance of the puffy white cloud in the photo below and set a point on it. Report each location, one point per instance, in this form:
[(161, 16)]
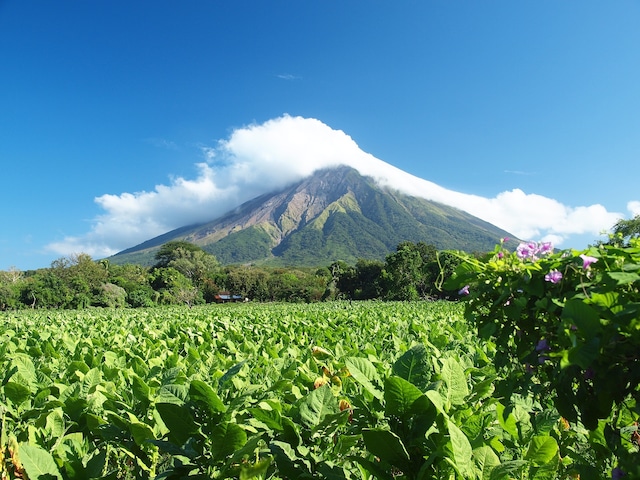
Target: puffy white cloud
[(264, 157), (634, 207)]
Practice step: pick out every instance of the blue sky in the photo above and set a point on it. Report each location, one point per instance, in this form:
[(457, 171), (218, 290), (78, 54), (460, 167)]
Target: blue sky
[(121, 120)]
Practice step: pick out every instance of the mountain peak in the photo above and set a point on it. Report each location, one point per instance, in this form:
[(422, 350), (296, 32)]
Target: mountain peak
[(334, 214)]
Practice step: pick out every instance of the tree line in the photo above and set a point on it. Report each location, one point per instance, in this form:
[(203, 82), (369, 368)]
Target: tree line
[(186, 274)]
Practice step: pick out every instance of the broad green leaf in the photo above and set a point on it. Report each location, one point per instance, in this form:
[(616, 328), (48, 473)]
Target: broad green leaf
[(346, 443), (96, 464), (387, 446), (622, 278), (22, 371), (542, 449), (455, 380), (507, 420), (437, 401), (226, 438), (289, 463), (256, 470), (202, 393), (364, 372), (507, 470), (229, 374), (582, 316), (17, 393), (370, 470), (111, 359), (607, 300), (317, 405), (584, 354), (403, 398), (38, 463), (141, 432), (178, 420), (269, 417), (54, 424), (548, 471), (486, 460), (461, 449), (75, 366), (482, 389), (172, 394), (414, 366), (140, 388)]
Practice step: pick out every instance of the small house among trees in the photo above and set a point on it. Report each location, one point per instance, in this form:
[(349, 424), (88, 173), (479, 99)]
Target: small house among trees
[(224, 297)]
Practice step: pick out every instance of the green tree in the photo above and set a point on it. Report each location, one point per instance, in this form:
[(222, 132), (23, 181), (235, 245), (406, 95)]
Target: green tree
[(112, 296), (10, 284), (248, 281), (46, 289), (200, 267), (339, 271), (135, 281), (196, 265), (344, 281), (404, 275), (173, 250), (627, 229), (368, 274), (173, 287)]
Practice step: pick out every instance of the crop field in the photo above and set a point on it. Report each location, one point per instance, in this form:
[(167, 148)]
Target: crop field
[(330, 390)]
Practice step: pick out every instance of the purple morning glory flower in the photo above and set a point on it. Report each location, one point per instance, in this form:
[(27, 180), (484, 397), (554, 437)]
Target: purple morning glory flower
[(526, 250), (587, 260), (464, 290), (617, 473), (531, 250), (554, 276), (545, 248), (542, 345)]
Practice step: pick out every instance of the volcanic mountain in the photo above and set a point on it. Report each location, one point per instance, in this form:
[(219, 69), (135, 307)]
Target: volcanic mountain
[(334, 214)]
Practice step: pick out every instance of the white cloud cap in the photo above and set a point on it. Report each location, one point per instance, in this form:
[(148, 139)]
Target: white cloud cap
[(262, 158)]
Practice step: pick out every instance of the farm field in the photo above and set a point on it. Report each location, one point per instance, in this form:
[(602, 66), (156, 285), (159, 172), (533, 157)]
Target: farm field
[(329, 390)]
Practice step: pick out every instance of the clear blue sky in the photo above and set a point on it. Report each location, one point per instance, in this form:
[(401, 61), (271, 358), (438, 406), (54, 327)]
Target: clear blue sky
[(107, 97)]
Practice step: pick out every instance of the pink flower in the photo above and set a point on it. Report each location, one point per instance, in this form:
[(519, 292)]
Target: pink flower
[(545, 248), (587, 260), (527, 250), (464, 290), (554, 276), (531, 250)]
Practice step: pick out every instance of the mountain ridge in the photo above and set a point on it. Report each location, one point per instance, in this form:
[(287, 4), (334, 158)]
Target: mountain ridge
[(334, 214)]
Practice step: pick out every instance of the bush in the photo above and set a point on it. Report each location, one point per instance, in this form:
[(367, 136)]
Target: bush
[(567, 325)]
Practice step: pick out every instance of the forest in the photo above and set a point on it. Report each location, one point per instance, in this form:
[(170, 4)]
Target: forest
[(186, 274)]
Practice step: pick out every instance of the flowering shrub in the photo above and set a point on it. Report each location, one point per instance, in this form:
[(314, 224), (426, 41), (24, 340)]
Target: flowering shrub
[(567, 327)]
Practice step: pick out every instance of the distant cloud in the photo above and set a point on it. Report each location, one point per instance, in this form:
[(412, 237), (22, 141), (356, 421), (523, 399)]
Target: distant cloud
[(519, 172), (288, 76), (260, 158)]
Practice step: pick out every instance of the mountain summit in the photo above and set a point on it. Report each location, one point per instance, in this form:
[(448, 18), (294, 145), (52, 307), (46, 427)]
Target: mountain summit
[(334, 214)]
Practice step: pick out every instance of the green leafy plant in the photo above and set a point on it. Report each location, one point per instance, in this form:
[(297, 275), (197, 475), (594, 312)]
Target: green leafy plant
[(567, 328)]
